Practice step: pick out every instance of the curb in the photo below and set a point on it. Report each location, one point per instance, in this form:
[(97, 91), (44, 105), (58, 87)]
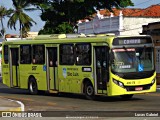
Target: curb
[(20, 103), (12, 108)]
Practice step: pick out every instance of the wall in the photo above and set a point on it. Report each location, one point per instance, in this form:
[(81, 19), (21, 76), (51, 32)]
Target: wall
[(120, 25), (133, 25), (98, 25)]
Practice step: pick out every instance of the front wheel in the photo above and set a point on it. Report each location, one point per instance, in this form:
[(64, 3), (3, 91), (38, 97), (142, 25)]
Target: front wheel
[(32, 86), (127, 97), (89, 91)]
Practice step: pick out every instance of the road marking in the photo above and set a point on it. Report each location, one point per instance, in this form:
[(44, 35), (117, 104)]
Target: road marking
[(51, 104), (21, 104)]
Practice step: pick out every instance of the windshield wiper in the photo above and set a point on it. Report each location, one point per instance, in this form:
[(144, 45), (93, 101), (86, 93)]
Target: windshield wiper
[(143, 52)]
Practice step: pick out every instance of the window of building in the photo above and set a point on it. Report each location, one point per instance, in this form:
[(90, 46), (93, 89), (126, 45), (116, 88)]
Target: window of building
[(66, 54), (83, 54), (25, 54), (5, 54), (38, 54)]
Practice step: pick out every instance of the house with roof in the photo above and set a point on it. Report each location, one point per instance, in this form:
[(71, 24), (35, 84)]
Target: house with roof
[(127, 21)]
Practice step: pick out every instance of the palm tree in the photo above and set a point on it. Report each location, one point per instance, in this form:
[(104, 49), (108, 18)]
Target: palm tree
[(4, 13), (25, 22)]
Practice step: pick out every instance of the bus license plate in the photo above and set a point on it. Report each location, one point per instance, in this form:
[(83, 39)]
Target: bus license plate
[(138, 88)]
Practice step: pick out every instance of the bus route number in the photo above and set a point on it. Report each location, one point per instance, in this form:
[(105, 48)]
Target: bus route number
[(133, 82)]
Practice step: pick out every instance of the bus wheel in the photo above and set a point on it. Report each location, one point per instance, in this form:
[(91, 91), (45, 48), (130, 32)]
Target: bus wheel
[(127, 97), (89, 91), (32, 86)]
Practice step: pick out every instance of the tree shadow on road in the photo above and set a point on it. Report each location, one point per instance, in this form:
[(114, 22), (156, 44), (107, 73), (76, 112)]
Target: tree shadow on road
[(6, 90), (97, 98)]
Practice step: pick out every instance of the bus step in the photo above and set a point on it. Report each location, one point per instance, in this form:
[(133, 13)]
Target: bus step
[(53, 91)]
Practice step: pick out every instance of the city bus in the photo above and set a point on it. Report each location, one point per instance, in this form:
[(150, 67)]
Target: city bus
[(91, 65)]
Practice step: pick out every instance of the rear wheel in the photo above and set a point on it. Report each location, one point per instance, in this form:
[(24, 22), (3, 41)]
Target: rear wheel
[(127, 97), (89, 91), (32, 86)]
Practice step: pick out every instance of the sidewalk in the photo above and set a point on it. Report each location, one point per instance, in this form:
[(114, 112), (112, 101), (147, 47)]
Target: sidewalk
[(10, 105), (158, 87)]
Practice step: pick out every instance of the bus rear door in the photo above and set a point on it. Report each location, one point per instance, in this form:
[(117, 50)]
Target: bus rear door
[(14, 67), (101, 63), (52, 68)]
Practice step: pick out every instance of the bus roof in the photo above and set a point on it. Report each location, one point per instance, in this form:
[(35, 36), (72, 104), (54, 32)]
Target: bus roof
[(69, 38)]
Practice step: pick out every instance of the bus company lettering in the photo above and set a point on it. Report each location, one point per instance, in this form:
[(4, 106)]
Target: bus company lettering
[(72, 74), (5, 66), (75, 69), (34, 67)]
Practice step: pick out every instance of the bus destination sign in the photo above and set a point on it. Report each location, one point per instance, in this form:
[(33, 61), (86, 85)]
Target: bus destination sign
[(132, 41)]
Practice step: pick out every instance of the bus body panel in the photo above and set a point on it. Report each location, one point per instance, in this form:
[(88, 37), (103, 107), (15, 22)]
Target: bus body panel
[(71, 78), (37, 71), (24, 75), (115, 89), (6, 75)]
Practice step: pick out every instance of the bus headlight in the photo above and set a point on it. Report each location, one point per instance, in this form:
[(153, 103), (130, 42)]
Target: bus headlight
[(118, 83), (153, 81)]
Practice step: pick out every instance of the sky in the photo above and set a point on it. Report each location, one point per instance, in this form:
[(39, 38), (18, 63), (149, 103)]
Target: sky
[(35, 15)]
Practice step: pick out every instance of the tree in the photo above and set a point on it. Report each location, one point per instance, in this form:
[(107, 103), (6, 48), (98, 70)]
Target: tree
[(25, 22), (4, 12), (59, 12)]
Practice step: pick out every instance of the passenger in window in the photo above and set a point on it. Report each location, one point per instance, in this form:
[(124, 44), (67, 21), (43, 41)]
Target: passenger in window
[(50, 63), (34, 61)]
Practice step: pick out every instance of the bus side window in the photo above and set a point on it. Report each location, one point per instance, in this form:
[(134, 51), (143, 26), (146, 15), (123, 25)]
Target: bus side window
[(25, 54), (66, 54), (5, 54), (38, 54), (83, 54)]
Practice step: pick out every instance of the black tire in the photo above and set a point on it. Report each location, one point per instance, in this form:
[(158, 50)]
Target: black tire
[(89, 91), (127, 97), (32, 86)]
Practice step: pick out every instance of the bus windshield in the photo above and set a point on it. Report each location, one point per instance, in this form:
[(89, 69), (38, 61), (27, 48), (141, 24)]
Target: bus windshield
[(132, 59)]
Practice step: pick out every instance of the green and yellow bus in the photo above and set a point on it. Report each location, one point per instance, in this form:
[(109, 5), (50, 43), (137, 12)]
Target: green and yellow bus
[(90, 65)]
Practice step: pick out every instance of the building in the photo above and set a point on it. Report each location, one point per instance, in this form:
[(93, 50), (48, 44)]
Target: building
[(32, 34), (153, 29), (127, 21)]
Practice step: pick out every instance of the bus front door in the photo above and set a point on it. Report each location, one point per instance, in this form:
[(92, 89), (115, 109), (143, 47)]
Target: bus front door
[(101, 63), (14, 67), (52, 68)]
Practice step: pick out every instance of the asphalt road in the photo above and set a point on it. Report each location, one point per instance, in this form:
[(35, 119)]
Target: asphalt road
[(66, 103)]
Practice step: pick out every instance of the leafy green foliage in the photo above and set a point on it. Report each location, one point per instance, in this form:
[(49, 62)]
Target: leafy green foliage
[(25, 21), (4, 12), (58, 12)]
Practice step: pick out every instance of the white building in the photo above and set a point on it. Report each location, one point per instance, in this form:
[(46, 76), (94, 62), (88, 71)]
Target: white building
[(125, 22)]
